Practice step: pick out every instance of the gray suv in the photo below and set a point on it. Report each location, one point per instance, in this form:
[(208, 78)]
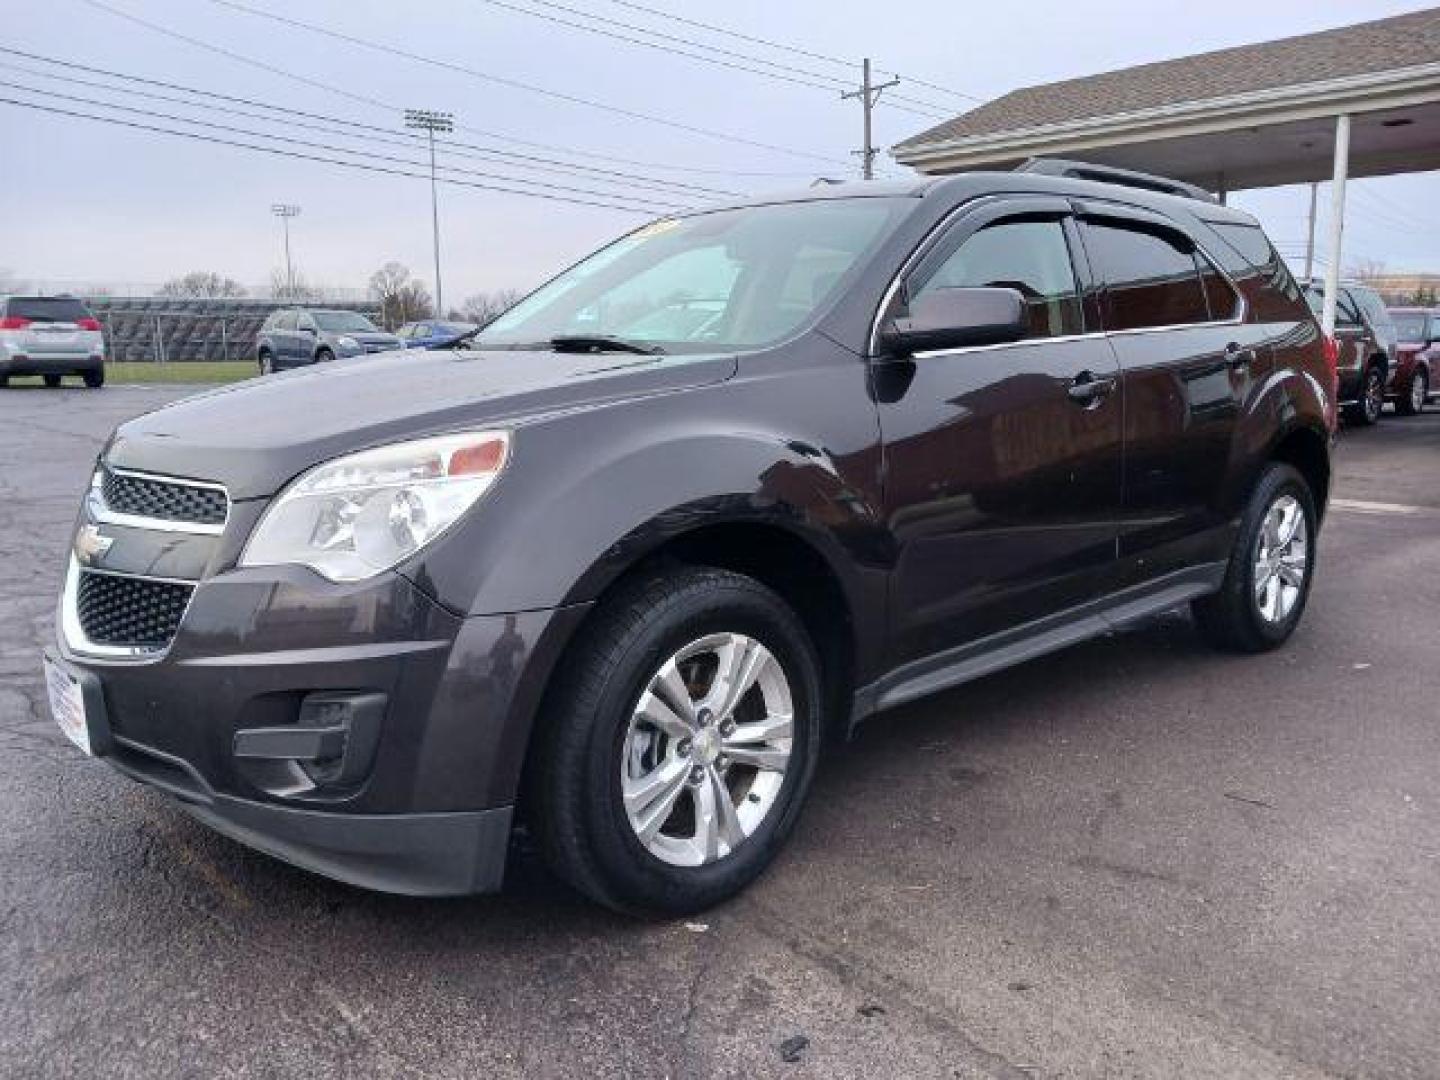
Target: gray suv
[(294, 337)]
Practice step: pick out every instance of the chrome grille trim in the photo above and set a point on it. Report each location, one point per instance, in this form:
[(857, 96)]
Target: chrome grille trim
[(100, 511), (74, 633)]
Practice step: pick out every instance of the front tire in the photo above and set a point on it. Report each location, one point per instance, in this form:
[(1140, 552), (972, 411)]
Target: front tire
[(1413, 400), (52, 381), (679, 747), (267, 364), (1366, 411), (1271, 567), (324, 356)]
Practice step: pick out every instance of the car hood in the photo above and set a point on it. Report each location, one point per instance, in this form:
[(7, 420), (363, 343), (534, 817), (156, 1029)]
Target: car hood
[(255, 436)]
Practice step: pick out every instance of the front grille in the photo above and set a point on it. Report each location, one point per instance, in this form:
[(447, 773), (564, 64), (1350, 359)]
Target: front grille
[(166, 500), (117, 610)]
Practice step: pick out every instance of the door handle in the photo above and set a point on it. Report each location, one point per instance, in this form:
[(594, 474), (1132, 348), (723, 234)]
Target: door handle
[(1238, 357), (1088, 388)]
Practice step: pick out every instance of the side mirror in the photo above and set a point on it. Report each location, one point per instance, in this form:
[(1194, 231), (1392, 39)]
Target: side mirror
[(954, 318)]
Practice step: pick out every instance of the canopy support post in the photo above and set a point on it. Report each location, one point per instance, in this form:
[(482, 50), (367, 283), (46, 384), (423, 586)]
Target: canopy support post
[(1337, 223)]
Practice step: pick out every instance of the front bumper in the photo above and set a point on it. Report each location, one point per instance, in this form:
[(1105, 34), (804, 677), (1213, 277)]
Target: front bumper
[(431, 813)]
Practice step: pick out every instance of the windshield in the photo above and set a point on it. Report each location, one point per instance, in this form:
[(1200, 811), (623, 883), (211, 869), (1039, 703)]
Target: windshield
[(731, 279), (343, 320), (1411, 326)]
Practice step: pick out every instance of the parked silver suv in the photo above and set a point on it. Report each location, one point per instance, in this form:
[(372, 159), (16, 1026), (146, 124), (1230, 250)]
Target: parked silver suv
[(52, 336), (294, 337)]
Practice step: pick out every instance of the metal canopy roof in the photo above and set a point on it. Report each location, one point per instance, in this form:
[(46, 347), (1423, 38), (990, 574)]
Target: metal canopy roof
[(1254, 116)]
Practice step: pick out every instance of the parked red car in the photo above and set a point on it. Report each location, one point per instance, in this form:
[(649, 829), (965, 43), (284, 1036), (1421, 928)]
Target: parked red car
[(1416, 359)]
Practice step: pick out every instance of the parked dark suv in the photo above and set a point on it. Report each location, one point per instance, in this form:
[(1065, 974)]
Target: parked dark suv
[(294, 337), (1368, 346), (621, 586)]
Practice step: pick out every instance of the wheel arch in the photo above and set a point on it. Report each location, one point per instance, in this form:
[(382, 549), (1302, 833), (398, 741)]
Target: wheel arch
[(1307, 450)]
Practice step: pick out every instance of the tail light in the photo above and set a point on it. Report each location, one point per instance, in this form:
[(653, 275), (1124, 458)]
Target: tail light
[(88, 324), (13, 322), (1332, 361)]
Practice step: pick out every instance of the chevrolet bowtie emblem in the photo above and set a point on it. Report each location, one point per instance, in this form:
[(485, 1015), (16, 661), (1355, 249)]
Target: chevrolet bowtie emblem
[(91, 545)]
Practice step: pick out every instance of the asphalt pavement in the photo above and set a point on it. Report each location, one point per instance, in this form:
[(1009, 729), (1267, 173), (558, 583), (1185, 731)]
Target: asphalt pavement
[(1134, 858)]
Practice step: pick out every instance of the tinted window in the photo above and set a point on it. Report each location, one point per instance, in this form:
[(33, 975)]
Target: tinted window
[(1251, 260), (1150, 277), (1410, 325), (1031, 257), (47, 308), (1220, 295)]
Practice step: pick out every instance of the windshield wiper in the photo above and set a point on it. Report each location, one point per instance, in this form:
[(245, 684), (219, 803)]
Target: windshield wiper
[(602, 343)]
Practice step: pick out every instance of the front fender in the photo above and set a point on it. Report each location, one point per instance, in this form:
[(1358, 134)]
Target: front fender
[(589, 493)]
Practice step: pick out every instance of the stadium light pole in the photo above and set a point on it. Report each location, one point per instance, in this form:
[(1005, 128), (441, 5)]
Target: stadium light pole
[(430, 122), (285, 211)]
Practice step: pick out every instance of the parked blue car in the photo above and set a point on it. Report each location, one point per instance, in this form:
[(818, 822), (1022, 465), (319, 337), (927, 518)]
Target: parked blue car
[(423, 335)]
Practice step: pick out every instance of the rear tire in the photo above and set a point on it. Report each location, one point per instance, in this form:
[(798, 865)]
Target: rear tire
[(1256, 609), (324, 356), (95, 379), (52, 381), (1366, 411), (658, 810), (1412, 401)]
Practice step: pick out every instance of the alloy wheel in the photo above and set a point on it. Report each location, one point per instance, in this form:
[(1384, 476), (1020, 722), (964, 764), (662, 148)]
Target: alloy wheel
[(1419, 391), (1282, 559), (1374, 395), (706, 749)]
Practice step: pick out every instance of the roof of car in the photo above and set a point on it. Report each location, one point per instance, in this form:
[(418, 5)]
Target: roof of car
[(975, 184)]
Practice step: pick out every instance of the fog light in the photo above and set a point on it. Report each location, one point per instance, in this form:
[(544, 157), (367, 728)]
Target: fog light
[(333, 742)]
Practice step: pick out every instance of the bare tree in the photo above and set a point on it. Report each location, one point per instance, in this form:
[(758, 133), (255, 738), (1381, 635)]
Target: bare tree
[(9, 283), (1367, 270), (484, 308), (202, 284), (402, 298), (297, 291)]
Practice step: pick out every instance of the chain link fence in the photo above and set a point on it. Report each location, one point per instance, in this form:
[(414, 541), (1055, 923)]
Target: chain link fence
[(162, 330)]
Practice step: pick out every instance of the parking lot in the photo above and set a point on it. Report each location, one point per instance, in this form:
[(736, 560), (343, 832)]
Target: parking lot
[(1134, 858)]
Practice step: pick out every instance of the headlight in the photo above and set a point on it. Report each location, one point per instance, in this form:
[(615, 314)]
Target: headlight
[(347, 343), (355, 516)]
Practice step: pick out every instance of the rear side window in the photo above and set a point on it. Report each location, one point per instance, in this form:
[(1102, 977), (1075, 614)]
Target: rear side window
[(46, 308), (1249, 257), (1031, 257), (1150, 277)]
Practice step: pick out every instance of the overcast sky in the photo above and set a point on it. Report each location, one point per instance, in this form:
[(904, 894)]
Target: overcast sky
[(84, 202)]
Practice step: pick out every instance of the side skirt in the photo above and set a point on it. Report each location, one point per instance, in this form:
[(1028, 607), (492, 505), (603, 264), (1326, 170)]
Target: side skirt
[(1010, 647)]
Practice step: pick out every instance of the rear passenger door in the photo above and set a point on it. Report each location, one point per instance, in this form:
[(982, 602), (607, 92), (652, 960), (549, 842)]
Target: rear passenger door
[(1002, 462), (1186, 358)]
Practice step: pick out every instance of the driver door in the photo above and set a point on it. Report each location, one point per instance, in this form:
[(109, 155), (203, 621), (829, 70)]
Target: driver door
[(1002, 462)]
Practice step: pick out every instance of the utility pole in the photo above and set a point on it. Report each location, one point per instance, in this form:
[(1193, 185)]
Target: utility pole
[(431, 122), (285, 211), (868, 94), (1310, 236)]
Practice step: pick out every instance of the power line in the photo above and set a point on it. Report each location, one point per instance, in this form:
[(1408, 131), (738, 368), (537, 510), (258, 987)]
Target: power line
[(278, 152), (394, 50), (783, 73), (229, 129), (381, 135), (795, 49)]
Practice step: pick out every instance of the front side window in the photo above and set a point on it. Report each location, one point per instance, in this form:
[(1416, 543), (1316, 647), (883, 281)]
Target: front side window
[(1150, 276), (1410, 326), (730, 279), (286, 321), (1029, 256)]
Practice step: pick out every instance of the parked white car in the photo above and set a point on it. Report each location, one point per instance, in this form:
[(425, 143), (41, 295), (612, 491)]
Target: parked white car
[(51, 336)]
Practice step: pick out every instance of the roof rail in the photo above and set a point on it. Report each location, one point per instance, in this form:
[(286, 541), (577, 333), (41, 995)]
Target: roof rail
[(1109, 174)]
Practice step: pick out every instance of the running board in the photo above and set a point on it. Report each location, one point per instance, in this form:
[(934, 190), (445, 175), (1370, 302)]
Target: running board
[(953, 667)]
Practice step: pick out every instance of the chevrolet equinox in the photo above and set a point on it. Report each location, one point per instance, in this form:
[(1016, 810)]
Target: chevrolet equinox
[(616, 566)]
